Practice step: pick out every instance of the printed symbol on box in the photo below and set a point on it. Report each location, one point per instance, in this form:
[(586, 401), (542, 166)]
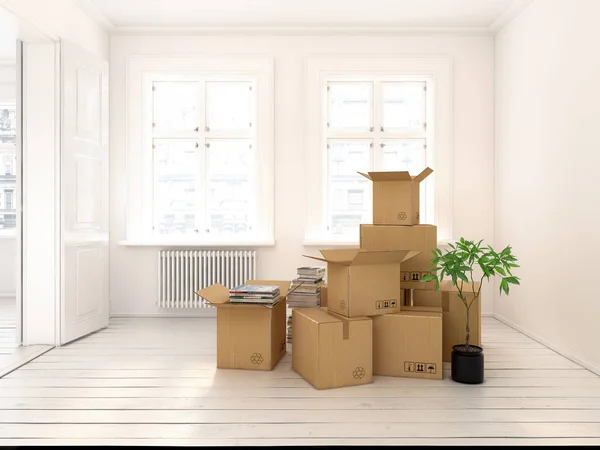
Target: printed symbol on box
[(402, 216), (386, 304), (424, 273), (430, 368), (420, 367), (393, 303), (409, 366), (256, 358), (358, 373), (282, 345), (378, 304), (415, 276), (405, 276), (343, 305), (418, 217)]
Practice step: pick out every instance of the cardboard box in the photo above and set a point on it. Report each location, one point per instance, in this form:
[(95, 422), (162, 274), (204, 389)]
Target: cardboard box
[(391, 237), (408, 344), (324, 295), (454, 314), (396, 197), (248, 336), (362, 282), (332, 351)]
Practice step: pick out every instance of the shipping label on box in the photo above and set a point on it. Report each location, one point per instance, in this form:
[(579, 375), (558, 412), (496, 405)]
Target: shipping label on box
[(249, 337), (332, 351), (396, 197), (363, 282), (422, 238), (408, 344), (454, 314)]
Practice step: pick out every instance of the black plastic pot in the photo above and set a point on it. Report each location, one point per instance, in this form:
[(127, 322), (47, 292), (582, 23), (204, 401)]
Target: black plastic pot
[(467, 365)]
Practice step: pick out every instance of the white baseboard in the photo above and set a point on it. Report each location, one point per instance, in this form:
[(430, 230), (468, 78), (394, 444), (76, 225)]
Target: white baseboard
[(584, 362), (488, 315)]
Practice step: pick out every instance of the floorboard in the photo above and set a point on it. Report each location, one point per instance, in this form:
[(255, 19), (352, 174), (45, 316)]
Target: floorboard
[(154, 382)]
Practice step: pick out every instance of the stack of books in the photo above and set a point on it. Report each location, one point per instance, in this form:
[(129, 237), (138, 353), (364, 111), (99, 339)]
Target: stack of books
[(255, 294), (305, 292)]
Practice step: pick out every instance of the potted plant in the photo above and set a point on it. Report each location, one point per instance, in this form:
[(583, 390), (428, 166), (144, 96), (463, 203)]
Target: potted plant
[(458, 264)]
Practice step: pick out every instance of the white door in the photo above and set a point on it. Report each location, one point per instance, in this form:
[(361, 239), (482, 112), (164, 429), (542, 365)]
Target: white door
[(84, 193)]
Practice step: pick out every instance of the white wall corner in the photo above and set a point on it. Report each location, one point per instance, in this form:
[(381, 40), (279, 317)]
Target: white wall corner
[(95, 14), (567, 353), (516, 8)]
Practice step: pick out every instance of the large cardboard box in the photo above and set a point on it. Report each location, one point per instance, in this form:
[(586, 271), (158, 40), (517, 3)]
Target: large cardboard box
[(391, 237), (332, 351), (396, 197), (248, 336), (363, 282), (323, 302), (408, 344), (454, 314)]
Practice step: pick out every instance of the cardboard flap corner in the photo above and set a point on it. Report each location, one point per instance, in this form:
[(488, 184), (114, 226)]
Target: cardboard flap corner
[(411, 254), (424, 174), (366, 175), (215, 294)]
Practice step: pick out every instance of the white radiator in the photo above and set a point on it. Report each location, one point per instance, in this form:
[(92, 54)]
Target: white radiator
[(182, 272)]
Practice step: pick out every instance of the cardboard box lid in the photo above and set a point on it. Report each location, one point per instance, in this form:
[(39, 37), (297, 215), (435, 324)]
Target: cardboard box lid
[(322, 316), (397, 176), (217, 294), (362, 257)]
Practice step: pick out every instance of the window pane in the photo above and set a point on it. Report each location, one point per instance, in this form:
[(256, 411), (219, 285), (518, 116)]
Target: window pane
[(349, 193), (8, 124), (408, 154), (175, 164), (229, 105), (404, 105), (350, 105), (174, 106), (231, 184)]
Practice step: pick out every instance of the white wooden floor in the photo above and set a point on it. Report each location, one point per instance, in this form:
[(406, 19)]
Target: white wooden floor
[(8, 330), (154, 382)]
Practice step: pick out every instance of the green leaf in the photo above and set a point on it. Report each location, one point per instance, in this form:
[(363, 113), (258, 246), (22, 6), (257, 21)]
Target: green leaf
[(513, 280), (428, 277), (463, 277), (500, 270)]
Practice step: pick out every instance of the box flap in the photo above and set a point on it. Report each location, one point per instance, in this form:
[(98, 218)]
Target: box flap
[(388, 176), (423, 175), (284, 286), (365, 257), (216, 294)]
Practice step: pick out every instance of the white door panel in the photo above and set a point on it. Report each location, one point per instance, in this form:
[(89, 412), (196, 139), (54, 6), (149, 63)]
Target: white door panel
[(84, 193)]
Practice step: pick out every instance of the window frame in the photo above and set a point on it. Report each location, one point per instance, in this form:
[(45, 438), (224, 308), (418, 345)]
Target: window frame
[(8, 149), (142, 72), (436, 72)]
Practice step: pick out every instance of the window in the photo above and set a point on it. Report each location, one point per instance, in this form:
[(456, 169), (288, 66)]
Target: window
[(8, 178), (374, 125), (374, 114), (205, 153)]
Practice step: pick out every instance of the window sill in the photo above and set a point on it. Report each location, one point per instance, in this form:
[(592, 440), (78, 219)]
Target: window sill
[(194, 243)]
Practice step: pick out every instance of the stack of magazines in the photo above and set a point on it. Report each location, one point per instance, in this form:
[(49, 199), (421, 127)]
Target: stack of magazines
[(255, 294), (305, 292)]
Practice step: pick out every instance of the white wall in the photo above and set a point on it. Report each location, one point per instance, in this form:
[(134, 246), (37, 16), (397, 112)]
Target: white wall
[(133, 270), (62, 19), (547, 160)]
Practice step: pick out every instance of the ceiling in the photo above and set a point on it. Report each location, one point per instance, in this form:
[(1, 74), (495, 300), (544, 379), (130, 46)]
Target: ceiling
[(447, 14)]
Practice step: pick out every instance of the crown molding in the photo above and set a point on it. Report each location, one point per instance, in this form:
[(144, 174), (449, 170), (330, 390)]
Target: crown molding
[(95, 14), (300, 30), (517, 7)]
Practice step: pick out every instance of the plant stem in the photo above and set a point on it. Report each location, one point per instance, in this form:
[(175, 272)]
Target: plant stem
[(468, 336)]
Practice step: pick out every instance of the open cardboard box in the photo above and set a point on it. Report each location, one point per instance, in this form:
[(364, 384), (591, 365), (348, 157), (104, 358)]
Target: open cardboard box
[(362, 282), (408, 344), (396, 197), (392, 237), (331, 351), (454, 314), (248, 336)]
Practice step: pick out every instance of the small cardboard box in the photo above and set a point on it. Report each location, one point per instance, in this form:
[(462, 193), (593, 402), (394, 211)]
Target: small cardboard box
[(332, 351), (324, 295), (396, 197), (248, 336), (408, 344), (454, 314), (363, 282), (391, 237)]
